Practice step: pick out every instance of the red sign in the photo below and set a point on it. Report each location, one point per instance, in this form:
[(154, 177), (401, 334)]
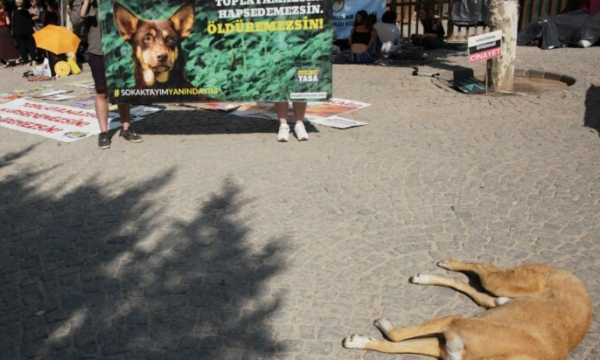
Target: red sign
[(485, 55)]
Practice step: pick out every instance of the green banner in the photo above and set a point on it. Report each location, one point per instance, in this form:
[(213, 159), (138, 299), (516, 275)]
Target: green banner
[(159, 51)]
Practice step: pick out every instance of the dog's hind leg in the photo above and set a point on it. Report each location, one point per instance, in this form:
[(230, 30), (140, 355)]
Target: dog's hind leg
[(426, 346), (519, 281), (428, 328), (481, 299)]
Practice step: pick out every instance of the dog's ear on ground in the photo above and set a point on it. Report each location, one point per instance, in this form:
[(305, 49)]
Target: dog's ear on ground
[(183, 20), (126, 21)]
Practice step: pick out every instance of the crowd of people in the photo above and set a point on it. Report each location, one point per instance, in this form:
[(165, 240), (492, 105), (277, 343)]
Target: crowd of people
[(19, 20), (369, 39)]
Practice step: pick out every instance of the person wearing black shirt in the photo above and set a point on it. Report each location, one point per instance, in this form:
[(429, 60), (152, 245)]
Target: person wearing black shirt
[(23, 29), (433, 30)]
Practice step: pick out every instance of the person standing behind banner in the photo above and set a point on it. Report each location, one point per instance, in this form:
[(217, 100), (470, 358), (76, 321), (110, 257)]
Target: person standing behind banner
[(85, 12), (284, 129), (23, 29), (8, 52)]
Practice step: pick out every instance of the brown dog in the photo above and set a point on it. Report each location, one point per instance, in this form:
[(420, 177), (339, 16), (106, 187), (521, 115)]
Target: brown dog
[(158, 61), (537, 313)]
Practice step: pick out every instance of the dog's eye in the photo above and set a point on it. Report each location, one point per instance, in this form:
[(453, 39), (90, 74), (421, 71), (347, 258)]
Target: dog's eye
[(148, 37), (170, 38)]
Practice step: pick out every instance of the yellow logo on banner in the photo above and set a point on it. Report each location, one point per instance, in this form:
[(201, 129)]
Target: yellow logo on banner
[(117, 93)]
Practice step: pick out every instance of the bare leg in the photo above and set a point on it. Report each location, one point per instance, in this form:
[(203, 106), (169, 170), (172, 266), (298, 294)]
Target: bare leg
[(299, 111), (282, 112), (481, 299), (125, 114), (101, 104), (426, 346)]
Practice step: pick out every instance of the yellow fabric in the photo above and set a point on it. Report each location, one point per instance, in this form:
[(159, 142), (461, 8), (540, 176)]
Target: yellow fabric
[(74, 67), (62, 68)]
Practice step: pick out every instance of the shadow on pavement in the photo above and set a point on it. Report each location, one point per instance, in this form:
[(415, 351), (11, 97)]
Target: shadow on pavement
[(90, 276), (188, 122), (592, 108)]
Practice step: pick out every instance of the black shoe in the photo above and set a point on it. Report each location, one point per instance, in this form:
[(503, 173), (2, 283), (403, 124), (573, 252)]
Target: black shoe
[(103, 141), (131, 135)]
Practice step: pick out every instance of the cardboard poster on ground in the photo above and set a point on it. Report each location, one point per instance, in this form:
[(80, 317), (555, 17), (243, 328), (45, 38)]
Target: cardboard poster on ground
[(58, 122), (168, 51), (322, 113), (344, 13), (337, 122)]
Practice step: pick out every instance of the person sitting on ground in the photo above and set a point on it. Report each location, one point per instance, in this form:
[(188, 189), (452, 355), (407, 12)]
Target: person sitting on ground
[(8, 51), (433, 30), (362, 40), (388, 33)]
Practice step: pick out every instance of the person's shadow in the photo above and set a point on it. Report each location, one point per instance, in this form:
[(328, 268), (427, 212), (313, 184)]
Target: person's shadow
[(592, 108)]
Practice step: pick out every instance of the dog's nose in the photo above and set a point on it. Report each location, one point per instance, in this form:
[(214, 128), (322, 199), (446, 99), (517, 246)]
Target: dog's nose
[(162, 57)]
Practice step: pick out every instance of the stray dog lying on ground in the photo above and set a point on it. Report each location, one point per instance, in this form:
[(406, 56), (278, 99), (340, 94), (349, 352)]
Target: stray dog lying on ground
[(158, 61), (536, 313)]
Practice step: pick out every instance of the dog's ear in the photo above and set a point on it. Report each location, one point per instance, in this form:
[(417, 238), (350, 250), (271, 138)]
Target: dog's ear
[(126, 21), (183, 20)]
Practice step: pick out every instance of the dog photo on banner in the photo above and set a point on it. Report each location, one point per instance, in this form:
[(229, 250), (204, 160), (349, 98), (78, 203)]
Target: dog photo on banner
[(217, 50)]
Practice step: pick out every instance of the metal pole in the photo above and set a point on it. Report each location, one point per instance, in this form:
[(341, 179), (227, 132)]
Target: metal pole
[(487, 64)]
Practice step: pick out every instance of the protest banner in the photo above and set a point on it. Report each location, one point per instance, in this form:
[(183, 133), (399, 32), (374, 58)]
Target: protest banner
[(323, 113), (58, 122), (344, 12), (217, 50)]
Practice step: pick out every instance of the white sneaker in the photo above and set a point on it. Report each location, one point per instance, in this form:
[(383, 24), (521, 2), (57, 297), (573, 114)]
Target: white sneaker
[(284, 133), (300, 131)]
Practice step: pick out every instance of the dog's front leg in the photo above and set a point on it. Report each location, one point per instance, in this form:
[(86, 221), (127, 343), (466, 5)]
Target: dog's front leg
[(481, 299)]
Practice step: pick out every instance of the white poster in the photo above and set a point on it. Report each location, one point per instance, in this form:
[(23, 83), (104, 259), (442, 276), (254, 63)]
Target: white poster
[(337, 122), (58, 122), (345, 10)]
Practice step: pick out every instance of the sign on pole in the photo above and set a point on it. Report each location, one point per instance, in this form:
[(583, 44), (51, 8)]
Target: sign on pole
[(484, 47)]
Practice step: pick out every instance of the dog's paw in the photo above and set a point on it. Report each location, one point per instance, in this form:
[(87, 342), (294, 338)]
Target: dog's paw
[(384, 325), (420, 279), (356, 341), (445, 264), (501, 300)]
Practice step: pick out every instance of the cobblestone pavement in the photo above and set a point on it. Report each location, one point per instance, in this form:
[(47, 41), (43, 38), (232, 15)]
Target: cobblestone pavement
[(210, 240)]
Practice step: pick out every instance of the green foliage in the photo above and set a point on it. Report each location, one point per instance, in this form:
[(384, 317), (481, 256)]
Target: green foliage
[(243, 66)]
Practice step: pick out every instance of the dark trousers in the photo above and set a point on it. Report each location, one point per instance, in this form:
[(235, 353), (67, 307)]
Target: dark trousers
[(26, 45)]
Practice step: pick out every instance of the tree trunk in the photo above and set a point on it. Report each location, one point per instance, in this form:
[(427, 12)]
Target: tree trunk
[(504, 15)]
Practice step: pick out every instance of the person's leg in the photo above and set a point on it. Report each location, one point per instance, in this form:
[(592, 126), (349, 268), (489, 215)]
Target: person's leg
[(101, 105), (31, 49), (22, 48), (127, 131), (96, 63), (281, 108), (299, 129)]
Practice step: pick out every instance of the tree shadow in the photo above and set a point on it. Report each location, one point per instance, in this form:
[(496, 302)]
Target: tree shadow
[(201, 122), (592, 108), (89, 276)]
